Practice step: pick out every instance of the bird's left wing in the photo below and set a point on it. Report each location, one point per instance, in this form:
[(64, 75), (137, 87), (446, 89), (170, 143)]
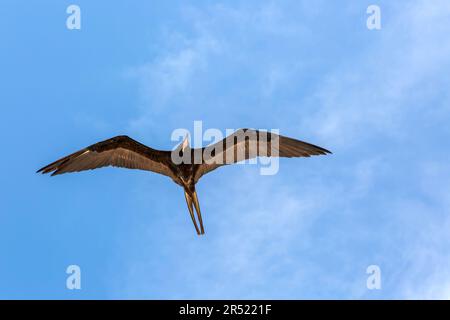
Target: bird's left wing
[(246, 144), (120, 151)]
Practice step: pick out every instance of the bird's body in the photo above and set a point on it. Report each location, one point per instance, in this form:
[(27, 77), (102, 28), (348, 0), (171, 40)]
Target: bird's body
[(185, 166)]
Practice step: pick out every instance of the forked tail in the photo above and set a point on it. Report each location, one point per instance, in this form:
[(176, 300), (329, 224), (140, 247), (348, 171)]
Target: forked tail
[(192, 200)]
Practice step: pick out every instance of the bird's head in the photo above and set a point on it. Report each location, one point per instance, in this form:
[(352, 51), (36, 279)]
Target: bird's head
[(185, 143), (180, 150)]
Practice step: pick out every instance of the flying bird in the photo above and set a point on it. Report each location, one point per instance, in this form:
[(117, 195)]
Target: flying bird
[(124, 152)]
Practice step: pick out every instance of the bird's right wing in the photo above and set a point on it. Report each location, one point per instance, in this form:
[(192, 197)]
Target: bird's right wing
[(246, 144), (120, 151)]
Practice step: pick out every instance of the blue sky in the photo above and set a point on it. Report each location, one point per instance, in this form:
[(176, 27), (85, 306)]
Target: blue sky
[(378, 99)]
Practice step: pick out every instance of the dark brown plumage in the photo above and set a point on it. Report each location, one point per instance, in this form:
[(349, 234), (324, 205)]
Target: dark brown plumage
[(122, 151)]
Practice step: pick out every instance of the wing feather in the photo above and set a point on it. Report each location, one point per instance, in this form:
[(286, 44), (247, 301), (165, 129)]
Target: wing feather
[(120, 151), (246, 144)]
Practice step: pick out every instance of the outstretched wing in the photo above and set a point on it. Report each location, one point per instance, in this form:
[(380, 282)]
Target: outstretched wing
[(120, 151), (247, 144)]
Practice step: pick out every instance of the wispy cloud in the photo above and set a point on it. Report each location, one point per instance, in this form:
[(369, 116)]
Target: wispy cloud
[(310, 231), (221, 63), (398, 74)]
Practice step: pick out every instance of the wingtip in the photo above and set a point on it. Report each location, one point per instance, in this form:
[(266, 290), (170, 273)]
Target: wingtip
[(41, 170), (324, 151)]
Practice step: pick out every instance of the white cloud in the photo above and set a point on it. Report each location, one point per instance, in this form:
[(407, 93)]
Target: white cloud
[(374, 92), (310, 233), (219, 58)]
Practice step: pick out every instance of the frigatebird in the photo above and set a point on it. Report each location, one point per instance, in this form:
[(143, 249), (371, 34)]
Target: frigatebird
[(124, 152)]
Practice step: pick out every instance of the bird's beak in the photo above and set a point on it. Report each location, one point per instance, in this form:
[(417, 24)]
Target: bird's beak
[(191, 210), (199, 214)]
